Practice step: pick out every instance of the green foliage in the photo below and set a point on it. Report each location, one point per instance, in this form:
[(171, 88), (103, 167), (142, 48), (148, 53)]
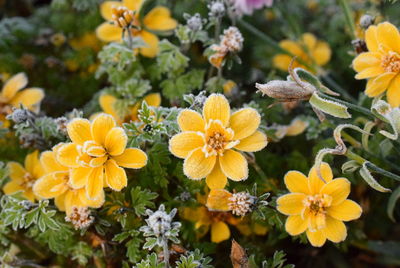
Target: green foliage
[(142, 199), (277, 261), (193, 259)]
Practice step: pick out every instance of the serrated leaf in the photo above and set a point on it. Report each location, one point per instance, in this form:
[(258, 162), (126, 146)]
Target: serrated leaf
[(370, 180), (150, 243), (329, 107)]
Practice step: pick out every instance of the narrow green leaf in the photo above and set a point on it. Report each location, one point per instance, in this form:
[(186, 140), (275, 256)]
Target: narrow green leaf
[(392, 203), (329, 107), (367, 176)]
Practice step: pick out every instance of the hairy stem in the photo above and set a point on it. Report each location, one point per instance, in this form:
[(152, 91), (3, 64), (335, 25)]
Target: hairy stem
[(349, 105), (166, 252)]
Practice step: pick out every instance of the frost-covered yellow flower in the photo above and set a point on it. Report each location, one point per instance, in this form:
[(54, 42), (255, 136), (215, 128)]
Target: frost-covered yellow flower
[(97, 154), (317, 207), (108, 102), (158, 19), (210, 143), (381, 64), (55, 184), (12, 96), (23, 177), (308, 49)]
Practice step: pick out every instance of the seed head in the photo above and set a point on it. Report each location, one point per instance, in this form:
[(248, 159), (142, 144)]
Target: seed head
[(80, 217), (241, 203)]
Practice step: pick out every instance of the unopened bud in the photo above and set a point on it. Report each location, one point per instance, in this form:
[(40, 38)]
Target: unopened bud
[(366, 21), (285, 90)]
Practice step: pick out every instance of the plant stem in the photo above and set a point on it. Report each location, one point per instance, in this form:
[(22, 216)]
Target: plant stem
[(349, 17), (332, 83), (166, 252), (349, 105)]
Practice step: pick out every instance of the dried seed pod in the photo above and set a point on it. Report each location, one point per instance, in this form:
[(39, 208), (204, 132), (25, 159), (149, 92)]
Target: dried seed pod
[(285, 90)]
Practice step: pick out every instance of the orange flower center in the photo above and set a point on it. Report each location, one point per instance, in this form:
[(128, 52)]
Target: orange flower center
[(218, 138), (218, 216), (28, 181), (217, 141), (92, 154), (391, 62), (318, 203), (123, 17)]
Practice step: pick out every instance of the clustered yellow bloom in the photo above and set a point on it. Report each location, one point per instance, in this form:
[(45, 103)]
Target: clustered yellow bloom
[(12, 95), (108, 103), (97, 154), (381, 64), (308, 49), (318, 207), (24, 177), (210, 143), (158, 19)]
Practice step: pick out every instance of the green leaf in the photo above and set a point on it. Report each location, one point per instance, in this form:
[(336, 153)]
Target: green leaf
[(329, 107), (394, 197), (142, 199), (370, 180)]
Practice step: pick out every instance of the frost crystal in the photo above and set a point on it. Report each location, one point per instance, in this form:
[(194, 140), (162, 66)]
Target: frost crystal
[(80, 218), (241, 203), (217, 9)]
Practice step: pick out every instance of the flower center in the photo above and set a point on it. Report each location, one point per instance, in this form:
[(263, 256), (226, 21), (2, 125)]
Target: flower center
[(218, 138), (218, 216), (318, 203), (123, 17), (92, 154), (216, 141), (28, 181), (391, 62)]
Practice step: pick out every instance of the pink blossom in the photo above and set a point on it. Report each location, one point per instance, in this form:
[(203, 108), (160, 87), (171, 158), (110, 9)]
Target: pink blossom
[(248, 6)]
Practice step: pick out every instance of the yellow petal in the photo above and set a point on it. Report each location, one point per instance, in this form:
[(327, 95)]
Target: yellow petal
[(371, 38), (196, 166), (100, 126), (338, 189), (134, 5), (393, 92), (94, 185), (116, 141), (131, 158), (79, 130), (67, 155), (292, 47), (296, 182), (108, 32), (321, 54), (97, 161), (315, 183), (370, 72), (253, 143), (50, 163), (388, 35), (218, 199), (106, 8), (95, 203), (234, 165), (107, 103), (12, 187), (296, 127), (72, 200), (309, 40), (13, 85), (219, 232), (183, 143), (378, 85), (291, 204), (335, 230), (50, 186), (296, 225), (216, 179), (151, 48), (189, 120), (32, 164), (153, 99), (217, 107), (244, 122), (366, 60), (79, 177), (317, 238), (29, 98), (159, 19), (346, 211), (115, 176), (59, 201), (16, 171), (281, 61)]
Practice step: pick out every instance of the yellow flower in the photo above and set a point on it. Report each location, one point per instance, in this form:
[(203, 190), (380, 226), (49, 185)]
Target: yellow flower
[(23, 178), (108, 102), (308, 49), (97, 154), (317, 207), (11, 96), (55, 184), (209, 143), (158, 19), (87, 40), (381, 64), (205, 220)]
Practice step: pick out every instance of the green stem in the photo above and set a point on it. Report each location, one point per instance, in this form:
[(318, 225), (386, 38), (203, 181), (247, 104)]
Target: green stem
[(336, 87), (349, 17), (263, 176), (349, 105)]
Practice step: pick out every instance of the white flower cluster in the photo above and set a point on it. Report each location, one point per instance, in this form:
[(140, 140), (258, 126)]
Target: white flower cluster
[(232, 40), (195, 22), (217, 9), (241, 203), (80, 218)]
